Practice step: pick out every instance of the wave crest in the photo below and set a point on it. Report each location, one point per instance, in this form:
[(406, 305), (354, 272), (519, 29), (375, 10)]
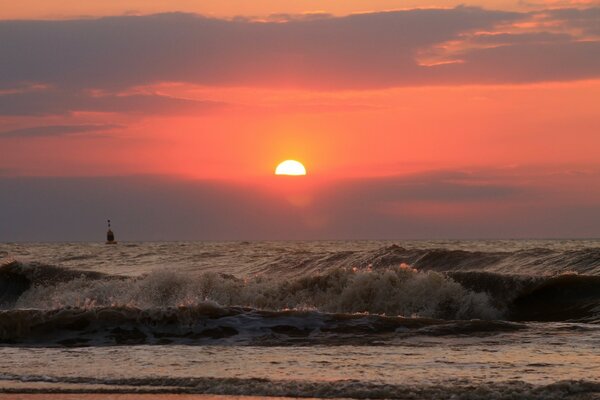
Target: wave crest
[(396, 290), (390, 290)]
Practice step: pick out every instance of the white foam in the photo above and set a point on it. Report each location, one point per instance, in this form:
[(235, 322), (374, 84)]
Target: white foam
[(397, 290)]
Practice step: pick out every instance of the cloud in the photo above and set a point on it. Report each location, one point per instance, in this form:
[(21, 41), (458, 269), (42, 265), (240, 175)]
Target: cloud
[(71, 60), (57, 101), (21, 87), (147, 208), (520, 38), (444, 186), (287, 17), (56, 130), (525, 63), (484, 204), (361, 50), (587, 19)]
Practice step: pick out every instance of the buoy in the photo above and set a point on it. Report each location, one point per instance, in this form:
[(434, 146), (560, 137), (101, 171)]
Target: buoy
[(110, 236)]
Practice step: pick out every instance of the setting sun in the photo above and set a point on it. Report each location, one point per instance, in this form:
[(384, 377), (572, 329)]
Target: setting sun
[(290, 167)]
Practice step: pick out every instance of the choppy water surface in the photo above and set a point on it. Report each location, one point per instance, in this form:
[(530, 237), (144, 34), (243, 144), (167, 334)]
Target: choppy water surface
[(472, 319)]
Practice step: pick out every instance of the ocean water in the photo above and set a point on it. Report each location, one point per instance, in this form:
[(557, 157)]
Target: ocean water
[(367, 319)]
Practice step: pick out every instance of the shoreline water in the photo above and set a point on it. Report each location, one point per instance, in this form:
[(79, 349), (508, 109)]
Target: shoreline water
[(574, 390), (473, 320)]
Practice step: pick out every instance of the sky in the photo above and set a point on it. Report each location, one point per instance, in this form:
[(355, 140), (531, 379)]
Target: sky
[(414, 119)]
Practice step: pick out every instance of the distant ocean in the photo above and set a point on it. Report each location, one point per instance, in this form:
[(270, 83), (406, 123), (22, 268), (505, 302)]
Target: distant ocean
[(362, 319)]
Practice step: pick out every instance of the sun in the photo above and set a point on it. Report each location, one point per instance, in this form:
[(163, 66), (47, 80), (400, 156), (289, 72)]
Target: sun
[(290, 167)]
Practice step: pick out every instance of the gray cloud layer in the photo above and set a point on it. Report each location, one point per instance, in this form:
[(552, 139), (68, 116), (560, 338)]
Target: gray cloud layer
[(54, 101), (374, 49), (154, 208), (587, 19), (366, 50), (532, 37), (370, 50), (56, 130)]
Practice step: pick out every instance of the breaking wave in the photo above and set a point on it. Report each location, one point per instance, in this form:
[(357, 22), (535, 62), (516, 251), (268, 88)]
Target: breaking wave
[(342, 297), (395, 290)]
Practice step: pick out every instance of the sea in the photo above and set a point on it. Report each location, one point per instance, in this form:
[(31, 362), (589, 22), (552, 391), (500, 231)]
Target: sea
[(479, 319)]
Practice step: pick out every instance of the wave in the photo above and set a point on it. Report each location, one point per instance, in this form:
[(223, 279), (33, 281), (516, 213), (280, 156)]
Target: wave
[(50, 304), (514, 389), (293, 262), (395, 290), (536, 261), (16, 278), (564, 297), (209, 323)]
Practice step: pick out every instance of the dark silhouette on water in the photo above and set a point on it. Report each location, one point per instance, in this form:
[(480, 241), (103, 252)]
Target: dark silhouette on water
[(110, 236)]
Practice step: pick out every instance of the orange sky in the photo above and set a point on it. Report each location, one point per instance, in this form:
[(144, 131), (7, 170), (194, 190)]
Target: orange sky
[(43, 9), (506, 95), (551, 124)]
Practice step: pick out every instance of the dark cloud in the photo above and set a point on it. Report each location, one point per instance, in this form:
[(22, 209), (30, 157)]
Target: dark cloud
[(371, 50), (148, 208), (520, 38), (286, 17), (56, 130), (363, 50), (20, 87), (444, 186), (523, 63), (587, 19), (158, 208), (544, 62), (55, 101)]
